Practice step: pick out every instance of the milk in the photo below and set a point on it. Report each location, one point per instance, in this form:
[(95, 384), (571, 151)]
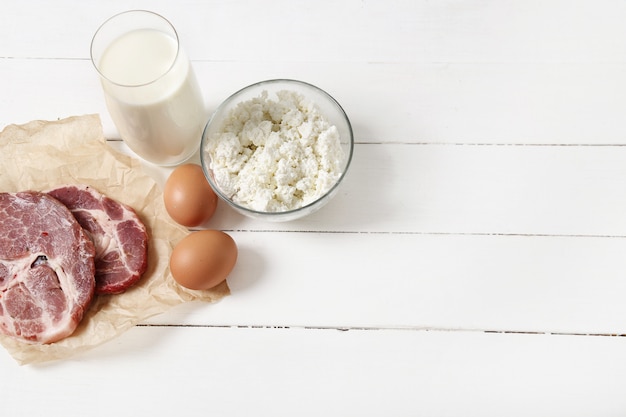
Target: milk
[(152, 96)]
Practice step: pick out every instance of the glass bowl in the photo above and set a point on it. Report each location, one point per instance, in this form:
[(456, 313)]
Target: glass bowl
[(213, 134)]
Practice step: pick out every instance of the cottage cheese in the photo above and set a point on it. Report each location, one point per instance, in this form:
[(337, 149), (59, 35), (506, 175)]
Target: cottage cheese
[(275, 155)]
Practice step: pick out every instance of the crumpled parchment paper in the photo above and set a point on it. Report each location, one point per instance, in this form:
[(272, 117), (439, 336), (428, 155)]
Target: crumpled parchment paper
[(40, 155)]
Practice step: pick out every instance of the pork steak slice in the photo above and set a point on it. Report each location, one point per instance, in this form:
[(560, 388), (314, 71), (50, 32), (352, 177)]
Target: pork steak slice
[(119, 235), (46, 268)]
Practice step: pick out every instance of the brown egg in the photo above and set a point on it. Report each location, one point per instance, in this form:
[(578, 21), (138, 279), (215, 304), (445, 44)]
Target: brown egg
[(188, 197), (203, 259)]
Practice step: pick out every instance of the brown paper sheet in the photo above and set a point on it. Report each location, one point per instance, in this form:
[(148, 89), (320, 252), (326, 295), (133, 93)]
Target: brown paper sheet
[(40, 155)]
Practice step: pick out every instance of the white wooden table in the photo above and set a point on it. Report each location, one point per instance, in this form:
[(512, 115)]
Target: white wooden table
[(473, 264)]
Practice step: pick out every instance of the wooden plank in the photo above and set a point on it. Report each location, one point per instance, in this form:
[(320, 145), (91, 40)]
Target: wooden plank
[(372, 31), (496, 283), (441, 189), (386, 103), (286, 372)]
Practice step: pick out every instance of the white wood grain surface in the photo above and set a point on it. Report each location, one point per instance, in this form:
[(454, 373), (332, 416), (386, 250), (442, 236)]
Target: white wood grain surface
[(472, 263)]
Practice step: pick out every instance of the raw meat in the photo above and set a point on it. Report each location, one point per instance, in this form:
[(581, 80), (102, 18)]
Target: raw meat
[(46, 268), (119, 235)]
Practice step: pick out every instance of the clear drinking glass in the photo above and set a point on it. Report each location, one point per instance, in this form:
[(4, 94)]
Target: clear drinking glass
[(149, 86)]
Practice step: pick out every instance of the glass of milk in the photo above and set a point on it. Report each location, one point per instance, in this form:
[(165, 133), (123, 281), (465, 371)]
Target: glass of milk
[(149, 86)]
